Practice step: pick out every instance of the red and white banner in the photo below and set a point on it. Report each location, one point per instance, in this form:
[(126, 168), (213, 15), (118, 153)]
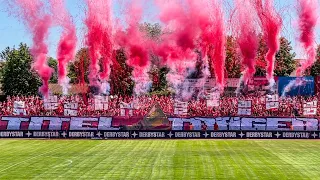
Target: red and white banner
[(71, 109), (310, 108), (181, 108), (36, 123), (244, 107), (272, 102), (51, 103), (19, 108), (101, 103)]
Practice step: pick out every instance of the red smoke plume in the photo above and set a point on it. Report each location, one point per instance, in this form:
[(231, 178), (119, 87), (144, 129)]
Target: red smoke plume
[(98, 39), (38, 23), (138, 46), (271, 24), (67, 44), (247, 37), (192, 25), (308, 16)]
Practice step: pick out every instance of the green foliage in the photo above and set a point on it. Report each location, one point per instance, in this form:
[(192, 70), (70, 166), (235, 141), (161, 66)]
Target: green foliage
[(233, 60), (53, 63), (153, 31), (285, 63), (17, 77), (315, 68), (79, 69), (261, 63), (121, 82)]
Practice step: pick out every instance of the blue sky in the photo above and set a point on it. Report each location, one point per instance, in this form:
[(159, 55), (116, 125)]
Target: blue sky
[(13, 31)]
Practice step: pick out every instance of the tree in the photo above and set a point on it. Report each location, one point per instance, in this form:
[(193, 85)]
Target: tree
[(261, 62), (121, 82), (285, 63), (233, 60), (158, 73), (79, 69), (314, 70), (54, 65), (17, 76)]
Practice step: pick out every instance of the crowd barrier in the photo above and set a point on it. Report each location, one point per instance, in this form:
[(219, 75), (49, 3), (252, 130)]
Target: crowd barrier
[(160, 128)]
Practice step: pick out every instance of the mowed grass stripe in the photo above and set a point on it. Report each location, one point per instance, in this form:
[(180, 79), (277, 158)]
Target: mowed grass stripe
[(74, 154), (21, 160), (282, 156), (297, 158), (159, 159)]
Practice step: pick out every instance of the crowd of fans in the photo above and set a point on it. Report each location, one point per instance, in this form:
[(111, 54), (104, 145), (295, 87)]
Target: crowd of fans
[(34, 106)]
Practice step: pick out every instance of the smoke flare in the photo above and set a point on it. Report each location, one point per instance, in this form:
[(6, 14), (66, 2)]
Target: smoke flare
[(38, 23), (247, 38), (307, 18), (98, 39), (67, 44), (271, 23)]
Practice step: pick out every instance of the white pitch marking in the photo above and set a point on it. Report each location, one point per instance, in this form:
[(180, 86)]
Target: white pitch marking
[(69, 162)]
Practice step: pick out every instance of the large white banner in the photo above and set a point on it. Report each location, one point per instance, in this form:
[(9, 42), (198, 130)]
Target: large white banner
[(19, 108), (180, 108), (244, 107), (105, 123), (51, 103), (272, 101), (71, 109), (101, 103), (310, 108)]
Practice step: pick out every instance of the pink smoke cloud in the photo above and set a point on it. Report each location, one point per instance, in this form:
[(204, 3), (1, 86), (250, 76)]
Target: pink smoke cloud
[(307, 21), (99, 39), (271, 23), (247, 37), (38, 23), (67, 44)]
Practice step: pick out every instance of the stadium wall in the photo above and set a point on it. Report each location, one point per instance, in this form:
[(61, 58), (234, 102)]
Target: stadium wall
[(172, 128)]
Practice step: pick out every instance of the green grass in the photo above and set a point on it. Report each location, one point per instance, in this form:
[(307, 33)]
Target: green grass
[(159, 159)]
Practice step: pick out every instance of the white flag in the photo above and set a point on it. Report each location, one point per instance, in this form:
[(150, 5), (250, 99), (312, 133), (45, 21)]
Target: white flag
[(272, 101), (19, 108), (51, 103), (213, 99), (71, 109), (244, 108), (180, 108), (310, 108), (101, 103), (126, 109)]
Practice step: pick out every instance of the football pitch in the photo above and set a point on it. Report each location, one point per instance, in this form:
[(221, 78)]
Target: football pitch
[(159, 159)]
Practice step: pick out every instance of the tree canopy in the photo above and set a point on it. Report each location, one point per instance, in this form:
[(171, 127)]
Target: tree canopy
[(17, 76)]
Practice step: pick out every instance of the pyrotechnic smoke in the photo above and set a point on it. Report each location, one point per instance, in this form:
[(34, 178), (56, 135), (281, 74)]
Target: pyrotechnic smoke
[(308, 16), (247, 38), (67, 44), (191, 25), (38, 23), (99, 39), (213, 36), (271, 24), (134, 40)]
